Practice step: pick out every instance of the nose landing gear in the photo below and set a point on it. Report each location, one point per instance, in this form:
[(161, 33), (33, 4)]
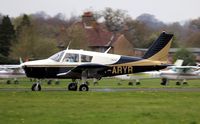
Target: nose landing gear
[(36, 87)]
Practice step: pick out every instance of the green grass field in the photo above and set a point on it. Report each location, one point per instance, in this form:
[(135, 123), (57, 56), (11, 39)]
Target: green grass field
[(103, 83), (134, 107)]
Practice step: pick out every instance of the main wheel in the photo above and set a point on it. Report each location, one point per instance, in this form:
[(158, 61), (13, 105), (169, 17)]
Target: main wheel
[(72, 87), (83, 87), (164, 81), (178, 83), (185, 83), (137, 83), (36, 87)]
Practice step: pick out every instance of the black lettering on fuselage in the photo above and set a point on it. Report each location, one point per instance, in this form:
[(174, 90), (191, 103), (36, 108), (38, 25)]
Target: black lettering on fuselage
[(122, 69)]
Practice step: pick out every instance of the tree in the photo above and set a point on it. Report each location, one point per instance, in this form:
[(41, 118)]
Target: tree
[(24, 22), (138, 33), (194, 40), (1, 17), (7, 35), (195, 24), (30, 44), (74, 34), (114, 19), (150, 21), (184, 54)]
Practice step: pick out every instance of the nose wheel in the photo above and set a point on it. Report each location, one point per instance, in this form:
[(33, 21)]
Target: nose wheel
[(36, 87)]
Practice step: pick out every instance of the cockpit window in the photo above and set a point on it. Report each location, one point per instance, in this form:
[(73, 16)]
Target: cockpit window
[(69, 57), (57, 56), (86, 58)]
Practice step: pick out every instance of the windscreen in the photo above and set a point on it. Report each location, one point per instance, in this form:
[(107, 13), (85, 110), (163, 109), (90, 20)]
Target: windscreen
[(57, 56)]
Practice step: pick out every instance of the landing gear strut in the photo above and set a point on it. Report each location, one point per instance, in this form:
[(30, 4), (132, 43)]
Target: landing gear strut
[(36, 87)]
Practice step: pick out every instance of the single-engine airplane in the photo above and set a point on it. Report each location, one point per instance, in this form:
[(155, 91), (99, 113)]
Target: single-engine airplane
[(80, 64), (12, 72), (180, 73)]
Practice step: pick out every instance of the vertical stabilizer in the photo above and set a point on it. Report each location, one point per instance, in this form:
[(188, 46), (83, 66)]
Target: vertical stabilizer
[(179, 62), (158, 51)]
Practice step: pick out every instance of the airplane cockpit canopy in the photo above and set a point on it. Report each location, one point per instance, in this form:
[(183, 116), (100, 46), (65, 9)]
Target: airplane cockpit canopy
[(71, 57), (57, 56)]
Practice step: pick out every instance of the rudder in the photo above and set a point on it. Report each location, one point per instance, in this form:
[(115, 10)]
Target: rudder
[(158, 51)]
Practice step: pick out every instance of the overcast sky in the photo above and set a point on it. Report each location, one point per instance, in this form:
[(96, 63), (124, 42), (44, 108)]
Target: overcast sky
[(164, 10)]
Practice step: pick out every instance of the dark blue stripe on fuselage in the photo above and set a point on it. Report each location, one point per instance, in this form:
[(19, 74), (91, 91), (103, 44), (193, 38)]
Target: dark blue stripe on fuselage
[(126, 59)]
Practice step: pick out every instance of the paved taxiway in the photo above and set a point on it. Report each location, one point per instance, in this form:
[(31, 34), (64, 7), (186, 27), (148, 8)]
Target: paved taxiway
[(112, 89)]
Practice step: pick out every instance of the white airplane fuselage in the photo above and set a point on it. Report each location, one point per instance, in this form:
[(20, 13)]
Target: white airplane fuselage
[(111, 64), (172, 75)]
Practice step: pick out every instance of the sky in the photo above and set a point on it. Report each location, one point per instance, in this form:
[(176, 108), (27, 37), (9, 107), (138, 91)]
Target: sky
[(164, 10)]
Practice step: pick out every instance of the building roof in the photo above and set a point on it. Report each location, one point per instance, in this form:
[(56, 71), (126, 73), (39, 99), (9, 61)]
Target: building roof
[(96, 33), (99, 36)]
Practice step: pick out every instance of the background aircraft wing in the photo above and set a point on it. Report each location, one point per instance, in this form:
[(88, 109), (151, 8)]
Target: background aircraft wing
[(92, 69), (185, 69), (10, 66)]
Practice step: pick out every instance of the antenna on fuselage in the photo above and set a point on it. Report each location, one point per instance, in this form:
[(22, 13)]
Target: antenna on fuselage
[(68, 45), (108, 50), (65, 52)]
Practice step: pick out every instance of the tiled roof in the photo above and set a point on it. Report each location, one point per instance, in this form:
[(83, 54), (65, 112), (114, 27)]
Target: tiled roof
[(97, 35)]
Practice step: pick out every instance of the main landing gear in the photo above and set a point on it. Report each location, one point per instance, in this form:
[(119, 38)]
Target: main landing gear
[(74, 86)]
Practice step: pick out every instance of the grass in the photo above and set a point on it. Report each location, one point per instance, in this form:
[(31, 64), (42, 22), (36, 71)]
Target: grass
[(104, 83), (134, 107), (99, 107)]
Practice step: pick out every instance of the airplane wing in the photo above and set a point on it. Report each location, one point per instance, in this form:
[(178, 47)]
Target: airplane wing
[(10, 66), (139, 76), (185, 69), (93, 70)]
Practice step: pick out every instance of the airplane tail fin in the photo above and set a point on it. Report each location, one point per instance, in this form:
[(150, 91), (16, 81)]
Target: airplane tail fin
[(158, 51), (179, 62)]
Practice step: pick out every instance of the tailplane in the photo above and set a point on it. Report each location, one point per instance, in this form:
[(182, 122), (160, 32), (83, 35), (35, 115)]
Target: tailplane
[(158, 51)]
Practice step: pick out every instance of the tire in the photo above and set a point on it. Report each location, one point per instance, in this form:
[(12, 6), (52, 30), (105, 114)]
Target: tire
[(16, 82), (178, 83), (137, 83), (130, 83), (83, 87), (164, 81), (72, 87), (36, 87), (8, 82), (185, 83)]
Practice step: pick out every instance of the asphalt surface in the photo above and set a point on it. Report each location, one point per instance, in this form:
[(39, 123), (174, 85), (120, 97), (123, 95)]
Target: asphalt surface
[(111, 89)]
